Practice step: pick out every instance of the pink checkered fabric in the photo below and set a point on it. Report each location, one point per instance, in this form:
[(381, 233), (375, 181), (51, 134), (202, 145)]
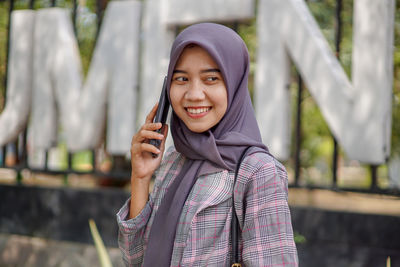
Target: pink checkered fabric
[(202, 237)]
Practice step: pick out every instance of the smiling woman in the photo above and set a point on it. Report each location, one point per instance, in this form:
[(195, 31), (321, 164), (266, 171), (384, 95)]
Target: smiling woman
[(186, 220), (198, 93)]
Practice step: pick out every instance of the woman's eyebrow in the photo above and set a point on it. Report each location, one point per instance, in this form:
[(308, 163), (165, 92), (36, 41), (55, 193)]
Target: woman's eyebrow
[(179, 71), (210, 70), (203, 71)]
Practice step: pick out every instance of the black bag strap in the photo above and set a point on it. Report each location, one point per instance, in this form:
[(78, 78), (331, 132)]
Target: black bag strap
[(235, 221)]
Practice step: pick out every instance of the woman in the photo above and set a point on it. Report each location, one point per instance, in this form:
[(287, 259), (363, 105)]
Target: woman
[(186, 219)]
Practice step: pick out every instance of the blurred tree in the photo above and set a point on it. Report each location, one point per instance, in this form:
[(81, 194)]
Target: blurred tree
[(396, 84), (3, 47)]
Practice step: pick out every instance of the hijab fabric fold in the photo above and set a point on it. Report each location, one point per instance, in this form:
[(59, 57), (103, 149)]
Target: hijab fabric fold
[(220, 147)]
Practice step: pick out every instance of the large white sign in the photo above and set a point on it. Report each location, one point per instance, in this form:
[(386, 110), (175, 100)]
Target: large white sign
[(45, 77), (358, 112), (52, 88)]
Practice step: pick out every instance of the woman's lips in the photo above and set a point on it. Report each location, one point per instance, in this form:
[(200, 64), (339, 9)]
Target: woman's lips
[(197, 112)]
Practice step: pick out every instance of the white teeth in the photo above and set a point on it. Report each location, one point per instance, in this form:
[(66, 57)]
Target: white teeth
[(197, 110)]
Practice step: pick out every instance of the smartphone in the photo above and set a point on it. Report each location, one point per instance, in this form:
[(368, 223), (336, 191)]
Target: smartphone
[(161, 114)]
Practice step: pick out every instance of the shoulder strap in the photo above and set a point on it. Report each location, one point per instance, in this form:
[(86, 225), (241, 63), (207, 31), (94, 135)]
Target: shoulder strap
[(235, 221)]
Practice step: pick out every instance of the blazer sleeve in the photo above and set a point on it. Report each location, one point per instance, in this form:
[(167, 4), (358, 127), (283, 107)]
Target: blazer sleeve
[(131, 233), (267, 234)]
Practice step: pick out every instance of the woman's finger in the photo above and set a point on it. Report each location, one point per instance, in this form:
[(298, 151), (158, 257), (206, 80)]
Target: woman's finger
[(152, 114), (164, 131), (138, 148), (145, 135), (144, 132), (152, 126), (145, 147)]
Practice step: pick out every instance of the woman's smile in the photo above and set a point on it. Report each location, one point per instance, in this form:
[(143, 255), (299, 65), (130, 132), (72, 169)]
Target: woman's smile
[(197, 112)]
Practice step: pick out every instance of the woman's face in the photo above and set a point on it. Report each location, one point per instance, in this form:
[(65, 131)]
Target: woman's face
[(198, 92)]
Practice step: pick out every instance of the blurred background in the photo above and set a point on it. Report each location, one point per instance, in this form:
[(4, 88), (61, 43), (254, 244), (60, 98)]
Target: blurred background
[(345, 213)]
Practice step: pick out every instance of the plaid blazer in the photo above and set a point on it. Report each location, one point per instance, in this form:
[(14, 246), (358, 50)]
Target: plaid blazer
[(203, 234)]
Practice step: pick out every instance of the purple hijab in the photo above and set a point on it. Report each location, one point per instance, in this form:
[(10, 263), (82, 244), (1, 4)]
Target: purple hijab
[(220, 147)]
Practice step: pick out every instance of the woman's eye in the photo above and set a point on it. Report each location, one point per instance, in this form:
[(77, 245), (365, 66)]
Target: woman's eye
[(181, 79), (212, 79)]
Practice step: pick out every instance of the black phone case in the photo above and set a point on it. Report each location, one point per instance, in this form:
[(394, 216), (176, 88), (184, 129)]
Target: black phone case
[(162, 113)]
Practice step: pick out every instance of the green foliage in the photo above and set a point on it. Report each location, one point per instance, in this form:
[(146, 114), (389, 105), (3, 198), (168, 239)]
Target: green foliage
[(388, 262), (299, 238), (104, 258), (396, 84), (316, 137), (82, 161), (3, 47), (86, 30), (248, 31)]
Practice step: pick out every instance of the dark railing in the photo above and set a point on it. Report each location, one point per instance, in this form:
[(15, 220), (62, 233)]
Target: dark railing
[(120, 169), (338, 39)]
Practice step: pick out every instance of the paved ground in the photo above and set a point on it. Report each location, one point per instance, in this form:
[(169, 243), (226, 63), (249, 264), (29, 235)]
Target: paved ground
[(18, 251)]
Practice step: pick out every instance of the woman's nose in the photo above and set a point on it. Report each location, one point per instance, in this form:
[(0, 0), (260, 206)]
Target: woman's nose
[(195, 91)]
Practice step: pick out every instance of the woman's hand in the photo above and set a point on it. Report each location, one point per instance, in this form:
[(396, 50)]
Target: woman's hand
[(142, 161)]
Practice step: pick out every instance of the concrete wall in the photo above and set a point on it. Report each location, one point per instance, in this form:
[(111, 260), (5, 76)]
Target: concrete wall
[(333, 238)]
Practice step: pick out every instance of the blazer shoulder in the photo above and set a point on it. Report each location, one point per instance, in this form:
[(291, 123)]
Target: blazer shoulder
[(259, 160), (261, 163)]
